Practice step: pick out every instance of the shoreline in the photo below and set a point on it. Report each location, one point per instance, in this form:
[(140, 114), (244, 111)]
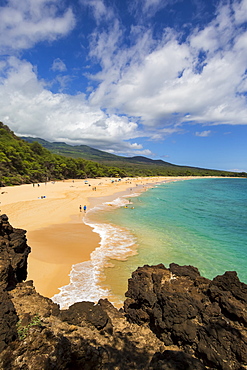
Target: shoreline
[(56, 231)]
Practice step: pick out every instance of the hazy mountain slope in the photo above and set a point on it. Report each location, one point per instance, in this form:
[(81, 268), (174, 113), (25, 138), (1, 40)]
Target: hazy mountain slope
[(78, 151), (38, 160), (23, 162), (134, 166)]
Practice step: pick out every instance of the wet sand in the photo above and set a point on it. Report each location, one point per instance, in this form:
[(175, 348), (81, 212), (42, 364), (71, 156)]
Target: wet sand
[(56, 232)]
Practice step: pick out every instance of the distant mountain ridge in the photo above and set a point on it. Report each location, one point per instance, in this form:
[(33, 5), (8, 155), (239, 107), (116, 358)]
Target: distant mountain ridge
[(132, 166), (22, 163), (37, 160), (92, 154), (89, 153), (77, 151)]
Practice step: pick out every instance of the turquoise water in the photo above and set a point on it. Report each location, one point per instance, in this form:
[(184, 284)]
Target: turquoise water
[(199, 222)]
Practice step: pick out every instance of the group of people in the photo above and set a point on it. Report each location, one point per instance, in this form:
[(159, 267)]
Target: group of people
[(84, 208)]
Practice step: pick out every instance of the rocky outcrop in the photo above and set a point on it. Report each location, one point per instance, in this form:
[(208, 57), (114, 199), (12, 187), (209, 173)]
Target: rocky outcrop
[(80, 312), (13, 254), (173, 319), (86, 336), (8, 320), (36, 335), (13, 269), (206, 319)]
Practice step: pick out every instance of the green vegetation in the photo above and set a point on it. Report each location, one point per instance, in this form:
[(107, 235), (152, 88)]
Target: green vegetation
[(77, 151), (135, 166), (22, 162), (22, 330), (27, 162)]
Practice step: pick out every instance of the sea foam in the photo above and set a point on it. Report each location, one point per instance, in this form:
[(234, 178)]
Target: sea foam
[(87, 278)]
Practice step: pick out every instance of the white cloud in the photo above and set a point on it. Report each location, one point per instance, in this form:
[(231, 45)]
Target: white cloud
[(58, 65), (148, 8), (169, 82), (38, 112), (203, 133), (63, 82), (24, 23), (159, 134), (146, 88), (105, 44), (240, 11), (237, 170), (218, 34), (145, 152), (100, 11)]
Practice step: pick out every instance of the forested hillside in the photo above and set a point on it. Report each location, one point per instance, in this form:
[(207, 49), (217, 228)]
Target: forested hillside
[(132, 166), (23, 162)]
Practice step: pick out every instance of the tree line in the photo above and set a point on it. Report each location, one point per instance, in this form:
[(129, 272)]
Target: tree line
[(22, 162)]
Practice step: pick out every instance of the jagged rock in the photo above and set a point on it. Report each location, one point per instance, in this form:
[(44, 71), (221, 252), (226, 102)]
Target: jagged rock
[(13, 269), (28, 301), (86, 336), (172, 319), (230, 294), (8, 321), (175, 360), (74, 342), (13, 254), (204, 318), (89, 312)]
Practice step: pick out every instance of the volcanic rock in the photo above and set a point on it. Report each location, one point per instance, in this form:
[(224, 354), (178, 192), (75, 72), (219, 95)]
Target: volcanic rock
[(13, 254), (13, 269), (172, 319), (206, 319), (8, 320)]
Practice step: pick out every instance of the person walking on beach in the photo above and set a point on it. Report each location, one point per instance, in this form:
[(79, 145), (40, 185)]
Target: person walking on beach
[(80, 208), (85, 208)]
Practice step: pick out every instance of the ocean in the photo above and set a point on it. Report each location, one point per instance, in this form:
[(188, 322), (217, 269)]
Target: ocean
[(199, 222)]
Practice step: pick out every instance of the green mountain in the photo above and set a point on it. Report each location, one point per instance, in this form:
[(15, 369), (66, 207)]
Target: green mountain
[(22, 162), (78, 151), (38, 160), (133, 166), (86, 152)]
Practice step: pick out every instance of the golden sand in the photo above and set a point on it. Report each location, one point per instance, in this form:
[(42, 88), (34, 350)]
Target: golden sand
[(55, 230)]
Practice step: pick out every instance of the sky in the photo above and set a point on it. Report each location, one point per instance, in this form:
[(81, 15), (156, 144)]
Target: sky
[(166, 79)]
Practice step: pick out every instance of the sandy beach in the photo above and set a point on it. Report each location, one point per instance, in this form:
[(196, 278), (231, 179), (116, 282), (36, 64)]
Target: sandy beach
[(52, 217)]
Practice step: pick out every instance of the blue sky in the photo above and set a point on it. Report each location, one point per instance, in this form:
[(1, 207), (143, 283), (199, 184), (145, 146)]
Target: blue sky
[(160, 78)]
